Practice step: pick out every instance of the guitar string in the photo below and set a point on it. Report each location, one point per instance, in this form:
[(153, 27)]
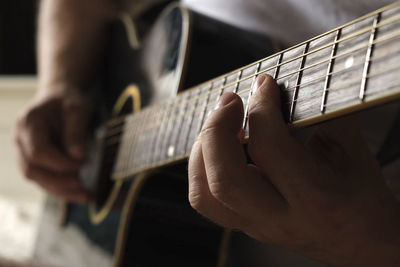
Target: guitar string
[(329, 45), (133, 169), (354, 82), (202, 107), (287, 90), (141, 167), (347, 86), (159, 122)]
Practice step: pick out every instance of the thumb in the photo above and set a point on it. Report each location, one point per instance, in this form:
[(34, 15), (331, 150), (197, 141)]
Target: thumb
[(75, 128)]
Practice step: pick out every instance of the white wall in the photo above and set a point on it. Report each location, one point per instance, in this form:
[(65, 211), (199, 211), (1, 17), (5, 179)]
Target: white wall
[(20, 201)]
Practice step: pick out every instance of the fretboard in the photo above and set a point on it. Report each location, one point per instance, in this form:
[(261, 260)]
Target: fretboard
[(344, 70)]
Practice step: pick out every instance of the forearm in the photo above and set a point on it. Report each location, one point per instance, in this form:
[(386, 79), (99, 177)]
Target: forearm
[(70, 38)]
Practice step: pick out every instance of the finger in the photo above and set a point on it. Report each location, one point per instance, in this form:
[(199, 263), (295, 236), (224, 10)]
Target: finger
[(271, 146), (75, 195), (38, 149), (201, 198), (63, 186), (67, 187), (75, 127), (230, 179)]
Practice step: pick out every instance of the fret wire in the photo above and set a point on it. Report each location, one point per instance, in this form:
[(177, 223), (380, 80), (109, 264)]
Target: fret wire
[(352, 82), (181, 117), (168, 131), (133, 132), (384, 71), (190, 124), (164, 130), (159, 134), (119, 162), (136, 154), (125, 152), (154, 137), (309, 83), (222, 86), (239, 76), (368, 57), (382, 39), (329, 70), (396, 34), (296, 90), (316, 50), (142, 141), (246, 112), (185, 155), (134, 159), (200, 125), (165, 150), (115, 140), (278, 68), (147, 152)]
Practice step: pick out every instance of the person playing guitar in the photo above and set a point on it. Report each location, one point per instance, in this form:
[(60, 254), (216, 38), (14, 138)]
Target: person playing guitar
[(324, 198)]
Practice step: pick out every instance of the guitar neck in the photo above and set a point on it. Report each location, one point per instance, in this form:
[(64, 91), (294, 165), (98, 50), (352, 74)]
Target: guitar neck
[(344, 70)]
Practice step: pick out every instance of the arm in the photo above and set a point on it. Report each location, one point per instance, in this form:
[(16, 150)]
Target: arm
[(326, 199), (70, 37), (50, 133)]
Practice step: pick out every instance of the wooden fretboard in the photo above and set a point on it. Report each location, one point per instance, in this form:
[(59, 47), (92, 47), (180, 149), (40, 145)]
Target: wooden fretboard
[(344, 70)]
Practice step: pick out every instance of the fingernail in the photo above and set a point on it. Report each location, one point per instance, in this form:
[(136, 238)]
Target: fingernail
[(225, 99), (259, 81)]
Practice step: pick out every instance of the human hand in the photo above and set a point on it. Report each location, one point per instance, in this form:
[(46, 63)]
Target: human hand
[(50, 136), (326, 199)]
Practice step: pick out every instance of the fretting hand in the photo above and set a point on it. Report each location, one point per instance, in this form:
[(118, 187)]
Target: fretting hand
[(326, 199)]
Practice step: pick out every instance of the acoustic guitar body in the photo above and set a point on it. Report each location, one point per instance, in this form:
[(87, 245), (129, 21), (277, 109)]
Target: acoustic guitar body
[(146, 220)]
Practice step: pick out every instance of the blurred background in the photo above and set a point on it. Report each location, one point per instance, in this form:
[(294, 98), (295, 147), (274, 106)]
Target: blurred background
[(21, 202)]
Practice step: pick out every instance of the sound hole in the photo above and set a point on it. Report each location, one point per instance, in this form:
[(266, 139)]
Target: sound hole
[(109, 154)]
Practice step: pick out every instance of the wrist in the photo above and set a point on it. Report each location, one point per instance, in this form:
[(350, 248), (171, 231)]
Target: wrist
[(58, 89)]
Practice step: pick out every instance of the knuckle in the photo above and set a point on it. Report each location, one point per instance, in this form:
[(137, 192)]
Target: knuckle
[(35, 153), (257, 104), (221, 190), (208, 131), (196, 197), (196, 200), (260, 109)]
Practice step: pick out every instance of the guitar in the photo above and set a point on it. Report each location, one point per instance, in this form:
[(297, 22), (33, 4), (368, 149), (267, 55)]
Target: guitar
[(143, 208)]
